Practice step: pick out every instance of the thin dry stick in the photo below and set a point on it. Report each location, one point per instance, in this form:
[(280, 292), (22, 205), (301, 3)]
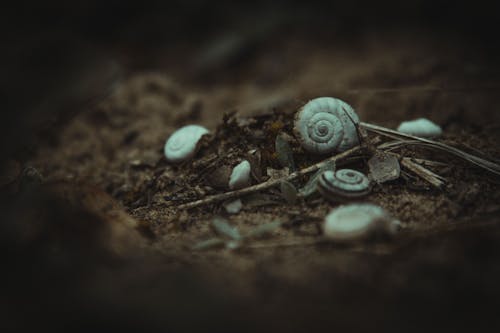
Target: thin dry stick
[(396, 144), (426, 174), (430, 163), (271, 183), (481, 162)]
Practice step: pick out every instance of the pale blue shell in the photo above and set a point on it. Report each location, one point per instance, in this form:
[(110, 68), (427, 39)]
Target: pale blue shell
[(181, 145), (325, 125), (357, 221), (344, 182)]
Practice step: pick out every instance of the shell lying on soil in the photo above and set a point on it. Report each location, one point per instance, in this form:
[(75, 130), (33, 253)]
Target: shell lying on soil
[(358, 221), (182, 144), (325, 125)]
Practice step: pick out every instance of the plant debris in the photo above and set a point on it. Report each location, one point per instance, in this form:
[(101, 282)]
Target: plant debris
[(289, 192), (284, 153), (233, 239), (384, 167)]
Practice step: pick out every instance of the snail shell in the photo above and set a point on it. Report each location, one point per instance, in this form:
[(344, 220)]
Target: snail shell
[(182, 144), (345, 183), (326, 125), (422, 127), (357, 221)]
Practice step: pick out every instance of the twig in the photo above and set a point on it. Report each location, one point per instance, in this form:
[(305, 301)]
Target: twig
[(429, 162), (270, 183), (396, 144), (389, 146), (481, 162), (418, 169), (426, 174)]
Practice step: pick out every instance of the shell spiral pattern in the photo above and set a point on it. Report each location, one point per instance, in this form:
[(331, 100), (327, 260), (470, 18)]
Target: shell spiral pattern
[(182, 143), (344, 183), (326, 125)]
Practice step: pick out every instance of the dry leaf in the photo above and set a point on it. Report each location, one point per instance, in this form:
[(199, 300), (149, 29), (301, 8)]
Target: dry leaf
[(384, 167), (222, 227), (289, 192), (263, 229), (284, 153), (310, 186), (209, 243)]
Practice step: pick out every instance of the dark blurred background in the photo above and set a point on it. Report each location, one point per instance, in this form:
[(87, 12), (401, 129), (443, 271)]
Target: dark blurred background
[(59, 57)]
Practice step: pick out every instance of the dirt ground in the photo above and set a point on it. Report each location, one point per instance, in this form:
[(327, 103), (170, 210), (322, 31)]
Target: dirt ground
[(105, 163)]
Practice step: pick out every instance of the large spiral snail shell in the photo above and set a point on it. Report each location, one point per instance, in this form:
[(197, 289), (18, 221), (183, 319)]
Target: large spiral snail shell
[(343, 183), (325, 125)]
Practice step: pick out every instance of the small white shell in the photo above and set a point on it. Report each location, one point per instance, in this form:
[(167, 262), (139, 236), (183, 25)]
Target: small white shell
[(240, 177), (420, 127), (325, 125), (346, 183), (182, 143), (357, 221)]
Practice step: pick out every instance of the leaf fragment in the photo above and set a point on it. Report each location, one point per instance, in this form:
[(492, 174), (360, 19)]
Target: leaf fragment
[(310, 186), (222, 227), (384, 167), (284, 153), (263, 229), (233, 245), (289, 192), (209, 243)]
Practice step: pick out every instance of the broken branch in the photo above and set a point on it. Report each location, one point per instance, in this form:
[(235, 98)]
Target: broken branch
[(271, 183), (478, 161), (429, 176)]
